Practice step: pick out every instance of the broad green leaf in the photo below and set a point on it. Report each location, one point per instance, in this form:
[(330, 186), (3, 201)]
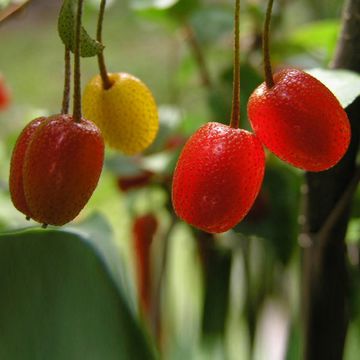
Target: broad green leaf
[(58, 300), (344, 84), (66, 28), (317, 36)]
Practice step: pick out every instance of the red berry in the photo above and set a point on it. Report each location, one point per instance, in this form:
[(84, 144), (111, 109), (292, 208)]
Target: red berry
[(174, 142), (127, 183), (55, 167), (144, 229), (217, 177), (16, 184), (4, 95), (300, 120)]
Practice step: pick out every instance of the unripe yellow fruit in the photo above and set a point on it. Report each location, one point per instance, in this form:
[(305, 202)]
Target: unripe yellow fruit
[(126, 113)]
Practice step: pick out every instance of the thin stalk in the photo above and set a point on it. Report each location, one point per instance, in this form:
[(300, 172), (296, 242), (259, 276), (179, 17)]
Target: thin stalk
[(235, 114), (269, 79), (77, 75), (67, 76), (198, 54), (101, 60)]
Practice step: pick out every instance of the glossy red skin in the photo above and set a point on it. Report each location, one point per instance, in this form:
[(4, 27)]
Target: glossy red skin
[(300, 121), (61, 166), (16, 186), (144, 229), (217, 177)]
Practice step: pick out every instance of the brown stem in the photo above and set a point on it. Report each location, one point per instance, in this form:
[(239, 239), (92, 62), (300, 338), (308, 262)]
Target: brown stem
[(198, 55), (325, 274), (235, 114), (67, 77), (101, 60), (77, 74), (269, 79), (339, 209)]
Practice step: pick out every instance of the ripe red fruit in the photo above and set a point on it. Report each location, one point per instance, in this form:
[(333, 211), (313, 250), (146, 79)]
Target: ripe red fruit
[(217, 177), (4, 95), (55, 167), (144, 229), (127, 183), (300, 120)]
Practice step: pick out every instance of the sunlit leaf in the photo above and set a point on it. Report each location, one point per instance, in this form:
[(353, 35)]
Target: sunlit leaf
[(344, 84)]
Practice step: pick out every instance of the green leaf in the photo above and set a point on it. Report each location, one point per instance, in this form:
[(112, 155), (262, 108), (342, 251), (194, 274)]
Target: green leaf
[(221, 19), (344, 84), (66, 28), (317, 36), (58, 300)]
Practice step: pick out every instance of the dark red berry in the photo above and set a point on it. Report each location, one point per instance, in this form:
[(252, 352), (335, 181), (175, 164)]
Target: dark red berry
[(55, 167), (300, 121), (127, 183), (217, 177)]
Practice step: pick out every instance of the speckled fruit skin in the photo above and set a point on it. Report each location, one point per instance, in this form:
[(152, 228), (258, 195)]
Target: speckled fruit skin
[(300, 121), (218, 176), (126, 113), (55, 167)]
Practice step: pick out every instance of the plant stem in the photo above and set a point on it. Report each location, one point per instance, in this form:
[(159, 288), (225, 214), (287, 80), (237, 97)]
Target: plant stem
[(66, 96), (198, 54), (269, 80), (235, 114), (77, 75), (101, 60)]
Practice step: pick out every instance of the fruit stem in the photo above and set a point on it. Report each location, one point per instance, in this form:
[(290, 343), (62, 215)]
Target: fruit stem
[(269, 79), (77, 75), (66, 96), (235, 114), (198, 54), (101, 60)]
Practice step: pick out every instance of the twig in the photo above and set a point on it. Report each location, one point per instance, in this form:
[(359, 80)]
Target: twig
[(198, 54), (339, 209)]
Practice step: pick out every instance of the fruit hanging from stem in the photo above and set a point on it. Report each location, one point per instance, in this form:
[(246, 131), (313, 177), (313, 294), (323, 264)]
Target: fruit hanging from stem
[(297, 117), (55, 167), (121, 105), (57, 160), (221, 168)]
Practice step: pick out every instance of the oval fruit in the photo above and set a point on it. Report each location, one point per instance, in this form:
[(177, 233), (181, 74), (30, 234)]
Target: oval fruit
[(55, 167), (126, 113), (300, 120), (217, 177)]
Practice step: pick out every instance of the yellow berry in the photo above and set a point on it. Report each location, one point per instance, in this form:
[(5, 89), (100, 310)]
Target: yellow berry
[(126, 113)]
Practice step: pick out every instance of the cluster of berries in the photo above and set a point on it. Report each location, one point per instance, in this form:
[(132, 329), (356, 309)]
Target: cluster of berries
[(57, 160)]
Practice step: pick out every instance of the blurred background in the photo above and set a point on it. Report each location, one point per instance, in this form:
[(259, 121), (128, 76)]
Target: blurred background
[(196, 296)]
